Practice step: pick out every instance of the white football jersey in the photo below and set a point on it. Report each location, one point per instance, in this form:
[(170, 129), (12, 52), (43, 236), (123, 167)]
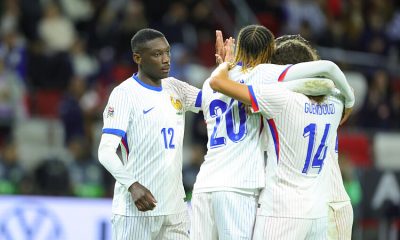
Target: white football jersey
[(337, 191), (302, 133), (235, 158), (151, 122)]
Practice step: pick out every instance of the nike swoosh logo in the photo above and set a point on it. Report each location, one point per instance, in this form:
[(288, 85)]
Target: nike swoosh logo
[(146, 111)]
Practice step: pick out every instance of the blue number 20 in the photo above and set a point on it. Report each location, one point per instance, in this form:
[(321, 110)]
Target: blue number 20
[(217, 109), (169, 132), (319, 157)]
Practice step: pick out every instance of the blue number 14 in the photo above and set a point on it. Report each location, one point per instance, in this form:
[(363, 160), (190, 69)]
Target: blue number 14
[(319, 156)]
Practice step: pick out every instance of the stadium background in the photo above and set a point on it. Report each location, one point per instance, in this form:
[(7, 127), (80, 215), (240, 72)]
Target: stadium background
[(60, 59)]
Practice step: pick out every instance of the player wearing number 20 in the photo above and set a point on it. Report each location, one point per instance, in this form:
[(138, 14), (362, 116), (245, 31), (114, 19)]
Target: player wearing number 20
[(227, 187)]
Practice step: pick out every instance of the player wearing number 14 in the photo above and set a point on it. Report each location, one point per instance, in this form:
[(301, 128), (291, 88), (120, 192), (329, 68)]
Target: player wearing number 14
[(225, 194), (292, 203)]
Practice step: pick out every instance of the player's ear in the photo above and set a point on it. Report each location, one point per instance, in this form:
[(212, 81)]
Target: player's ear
[(136, 58)]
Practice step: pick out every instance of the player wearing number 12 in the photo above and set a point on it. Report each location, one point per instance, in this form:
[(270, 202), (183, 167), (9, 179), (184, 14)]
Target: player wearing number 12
[(146, 115)]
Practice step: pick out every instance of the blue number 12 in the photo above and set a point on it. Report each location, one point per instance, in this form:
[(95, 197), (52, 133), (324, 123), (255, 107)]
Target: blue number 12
[(319, 156), (168, 133)]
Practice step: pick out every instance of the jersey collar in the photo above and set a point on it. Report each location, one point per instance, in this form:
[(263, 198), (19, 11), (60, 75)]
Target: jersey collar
[(154, 88)]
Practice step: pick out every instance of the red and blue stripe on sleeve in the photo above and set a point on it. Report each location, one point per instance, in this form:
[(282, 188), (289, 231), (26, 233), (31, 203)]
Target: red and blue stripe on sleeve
[(253, 99)]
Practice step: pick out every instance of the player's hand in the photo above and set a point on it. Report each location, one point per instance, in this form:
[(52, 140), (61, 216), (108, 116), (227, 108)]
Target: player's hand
[(346, 115), (221, 72), (229, 50), (142, 197), (219, 47), (224, 51)]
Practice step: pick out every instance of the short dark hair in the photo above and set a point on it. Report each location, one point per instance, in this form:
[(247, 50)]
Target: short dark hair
[(292, 49), (255, 45), (143, 36)]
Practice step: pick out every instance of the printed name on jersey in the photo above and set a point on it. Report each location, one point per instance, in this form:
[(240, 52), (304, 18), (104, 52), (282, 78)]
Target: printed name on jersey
[(177, 104), (110, 112), (319, 109)]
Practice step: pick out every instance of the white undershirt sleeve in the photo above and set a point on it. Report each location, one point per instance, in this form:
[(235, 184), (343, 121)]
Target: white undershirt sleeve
[(109, 159), (326, 69), (310, 86)]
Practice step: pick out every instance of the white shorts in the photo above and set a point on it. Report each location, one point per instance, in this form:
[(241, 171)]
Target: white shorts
[(171, 227), (273, 228), (340, 220), (223, 216)]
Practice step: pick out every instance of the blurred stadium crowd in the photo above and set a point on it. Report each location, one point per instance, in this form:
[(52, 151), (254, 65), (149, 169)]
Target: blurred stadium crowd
[(59, 59)]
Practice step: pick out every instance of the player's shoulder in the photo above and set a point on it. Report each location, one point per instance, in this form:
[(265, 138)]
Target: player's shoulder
[(269, 67), (171, 82), (125, 85), (267, 73)]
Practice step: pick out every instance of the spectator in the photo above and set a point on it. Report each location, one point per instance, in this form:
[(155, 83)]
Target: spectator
[(52, 178), (71, 113), (376, 112), (11, 172), (86, 174), (192, 168), (56, 31), (12, 93), (83, 64)]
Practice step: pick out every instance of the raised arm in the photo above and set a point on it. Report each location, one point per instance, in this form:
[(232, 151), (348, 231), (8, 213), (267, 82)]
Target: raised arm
[(326, 69), (221, 82)]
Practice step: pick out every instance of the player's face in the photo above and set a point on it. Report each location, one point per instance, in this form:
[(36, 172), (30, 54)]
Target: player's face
[(155, 58)]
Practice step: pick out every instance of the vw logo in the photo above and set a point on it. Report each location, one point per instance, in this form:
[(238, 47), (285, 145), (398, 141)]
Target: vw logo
[(29, 220)]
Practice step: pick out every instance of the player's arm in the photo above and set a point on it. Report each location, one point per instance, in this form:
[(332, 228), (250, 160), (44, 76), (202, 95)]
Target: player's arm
[(326, 69), (311, 86), (220, 82), (329, 70), (116, 119), (273, 97), (108, 157)]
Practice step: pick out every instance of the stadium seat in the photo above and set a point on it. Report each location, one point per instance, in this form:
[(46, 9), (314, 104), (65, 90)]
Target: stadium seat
[(357, 147), (387, 151), (45, 103), (38, 139), (270, 21)]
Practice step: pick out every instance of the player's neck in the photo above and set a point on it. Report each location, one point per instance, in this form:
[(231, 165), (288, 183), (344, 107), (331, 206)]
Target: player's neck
[(148, 80)]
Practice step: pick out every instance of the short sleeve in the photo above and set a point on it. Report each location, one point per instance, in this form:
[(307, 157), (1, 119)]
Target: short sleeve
[(269, 99), (191, 96), (117, 113)]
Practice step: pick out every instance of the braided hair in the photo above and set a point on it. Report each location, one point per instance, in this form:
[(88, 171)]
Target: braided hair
[(255, 46)]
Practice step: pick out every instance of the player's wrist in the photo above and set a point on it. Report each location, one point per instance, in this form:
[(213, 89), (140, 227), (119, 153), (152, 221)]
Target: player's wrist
[(133, 185), (349, 103)]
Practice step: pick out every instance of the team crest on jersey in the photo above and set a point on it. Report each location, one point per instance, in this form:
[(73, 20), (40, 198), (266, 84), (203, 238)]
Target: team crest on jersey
[(110, 112), (177, 104)]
